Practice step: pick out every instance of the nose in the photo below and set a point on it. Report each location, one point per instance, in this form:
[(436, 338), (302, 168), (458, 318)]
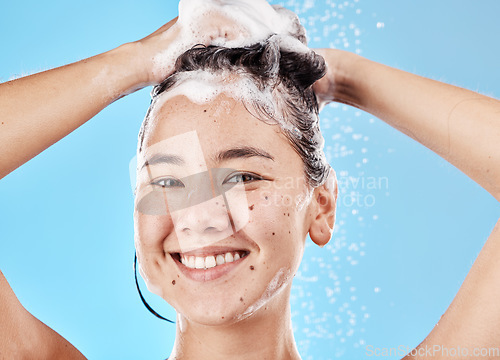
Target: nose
[(209, 217)]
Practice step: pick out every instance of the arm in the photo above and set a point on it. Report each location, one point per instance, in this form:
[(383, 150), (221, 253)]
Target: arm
[(460, 125), (38, 110), (464, 128), (22, 336)]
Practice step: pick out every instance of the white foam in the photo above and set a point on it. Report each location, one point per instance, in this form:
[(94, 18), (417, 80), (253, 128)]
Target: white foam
[(275, 286), (202, 87), (229, 23), (256, 18)]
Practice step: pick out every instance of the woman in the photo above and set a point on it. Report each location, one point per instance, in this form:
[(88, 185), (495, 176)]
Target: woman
[(357, 82)]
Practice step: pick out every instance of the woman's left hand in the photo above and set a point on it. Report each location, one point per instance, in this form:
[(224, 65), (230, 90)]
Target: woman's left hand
[(329, 87)]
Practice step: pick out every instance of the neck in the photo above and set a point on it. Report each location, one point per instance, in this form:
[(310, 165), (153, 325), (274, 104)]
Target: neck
[(266, 334)]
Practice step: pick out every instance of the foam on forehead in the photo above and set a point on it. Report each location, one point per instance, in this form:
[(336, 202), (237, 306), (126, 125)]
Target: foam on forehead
[(202, 87)]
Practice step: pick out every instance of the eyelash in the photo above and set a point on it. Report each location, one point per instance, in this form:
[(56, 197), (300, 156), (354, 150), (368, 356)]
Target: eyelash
[(254, 177)]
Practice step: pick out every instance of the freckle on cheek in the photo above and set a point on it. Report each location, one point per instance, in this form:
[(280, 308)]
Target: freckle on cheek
[(273, 234), (251, 207), (173, 282), (241, 299), (252, 267)]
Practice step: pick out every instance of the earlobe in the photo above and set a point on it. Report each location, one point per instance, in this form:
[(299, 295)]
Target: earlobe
[(322, 223)]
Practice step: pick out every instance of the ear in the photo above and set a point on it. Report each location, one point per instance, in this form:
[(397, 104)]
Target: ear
[(323, 208)]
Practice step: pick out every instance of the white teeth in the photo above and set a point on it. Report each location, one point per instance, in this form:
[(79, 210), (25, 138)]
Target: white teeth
[(199, 263), (210, 261), (220, 259), (228, 257)]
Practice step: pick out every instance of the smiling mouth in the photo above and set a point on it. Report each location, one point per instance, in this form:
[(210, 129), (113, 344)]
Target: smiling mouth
[(206, 262)]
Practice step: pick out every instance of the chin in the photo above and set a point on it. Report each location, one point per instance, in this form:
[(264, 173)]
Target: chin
[(210, 316), (223, 309)]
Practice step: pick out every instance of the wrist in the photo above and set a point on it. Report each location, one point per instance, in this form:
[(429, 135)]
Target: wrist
[(347, 73), (123, 72), (156, 54)]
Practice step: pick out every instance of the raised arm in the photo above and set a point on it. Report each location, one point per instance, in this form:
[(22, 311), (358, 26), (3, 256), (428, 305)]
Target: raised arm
[(464, 128), (460, 125), (38, 110)]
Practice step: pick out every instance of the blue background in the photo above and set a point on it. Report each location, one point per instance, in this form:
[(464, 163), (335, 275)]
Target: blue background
[(397, 257)]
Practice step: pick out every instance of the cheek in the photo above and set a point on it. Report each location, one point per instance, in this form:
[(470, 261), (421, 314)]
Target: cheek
[(150, 233), (276, 226)]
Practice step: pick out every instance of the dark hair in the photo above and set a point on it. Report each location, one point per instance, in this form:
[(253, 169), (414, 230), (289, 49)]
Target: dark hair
[(287, 75)]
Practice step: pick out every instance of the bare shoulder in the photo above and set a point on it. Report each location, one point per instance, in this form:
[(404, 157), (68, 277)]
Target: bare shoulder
[(23, 336)]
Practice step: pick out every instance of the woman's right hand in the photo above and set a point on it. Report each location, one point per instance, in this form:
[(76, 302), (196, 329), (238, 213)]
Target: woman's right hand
[(230, 24), (64, 98), (158, 51)]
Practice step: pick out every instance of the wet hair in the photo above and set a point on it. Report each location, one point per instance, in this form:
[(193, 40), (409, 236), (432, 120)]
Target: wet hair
[(287, 75)]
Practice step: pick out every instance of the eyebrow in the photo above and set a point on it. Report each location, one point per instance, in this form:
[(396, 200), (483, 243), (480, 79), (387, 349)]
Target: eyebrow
[(241, 152), (163, 159), (229, 154)]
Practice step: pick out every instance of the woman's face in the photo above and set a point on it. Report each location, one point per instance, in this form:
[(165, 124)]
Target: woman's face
[(222, 210)]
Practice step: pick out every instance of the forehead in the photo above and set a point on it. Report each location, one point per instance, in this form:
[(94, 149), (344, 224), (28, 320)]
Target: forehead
[(221, 122)]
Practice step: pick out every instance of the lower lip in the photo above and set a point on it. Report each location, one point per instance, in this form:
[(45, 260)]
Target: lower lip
[(204, 275)]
